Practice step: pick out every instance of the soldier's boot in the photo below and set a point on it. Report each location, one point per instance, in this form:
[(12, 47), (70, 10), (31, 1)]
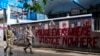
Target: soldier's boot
[(10, 52), (25, 50), (31, 51)]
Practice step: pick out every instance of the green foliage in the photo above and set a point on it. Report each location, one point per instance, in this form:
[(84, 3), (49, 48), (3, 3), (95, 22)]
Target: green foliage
[(26, 5), (36, 6), (45, 2)]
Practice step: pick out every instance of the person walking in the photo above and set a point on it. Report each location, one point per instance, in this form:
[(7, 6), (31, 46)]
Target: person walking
[(28, 38), (9, 39)]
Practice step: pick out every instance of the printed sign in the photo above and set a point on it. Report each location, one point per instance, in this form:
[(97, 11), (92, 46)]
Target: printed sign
[(64, 24)]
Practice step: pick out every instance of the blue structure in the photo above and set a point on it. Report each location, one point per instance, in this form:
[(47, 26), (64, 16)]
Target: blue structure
[(15, 3), (3, 4)]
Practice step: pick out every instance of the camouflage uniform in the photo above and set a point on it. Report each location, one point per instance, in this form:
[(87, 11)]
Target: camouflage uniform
[(9, 40), (28, 39)]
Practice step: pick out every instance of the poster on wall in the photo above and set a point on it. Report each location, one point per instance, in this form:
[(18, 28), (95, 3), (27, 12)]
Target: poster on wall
[(86, 22), (46, 26), (79, 23), (74, 24), (64, 24), (52, 24), (41, 26)]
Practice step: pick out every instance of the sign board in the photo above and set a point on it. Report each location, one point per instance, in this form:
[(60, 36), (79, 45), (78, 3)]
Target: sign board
[(1, 14)]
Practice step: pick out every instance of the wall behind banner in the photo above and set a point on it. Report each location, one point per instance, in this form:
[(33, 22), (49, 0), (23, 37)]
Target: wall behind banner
[(75, 32), (2, 27)]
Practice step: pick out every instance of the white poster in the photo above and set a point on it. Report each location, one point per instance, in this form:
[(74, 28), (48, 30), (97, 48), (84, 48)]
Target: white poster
[(51, 23), (79, 23), (46, 26), (64, 24), (72, 25)]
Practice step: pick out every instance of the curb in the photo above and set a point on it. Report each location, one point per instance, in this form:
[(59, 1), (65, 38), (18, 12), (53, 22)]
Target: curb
[(52, 50)]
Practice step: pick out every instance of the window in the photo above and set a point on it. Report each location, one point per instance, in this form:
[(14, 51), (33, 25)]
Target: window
[(96, 17), (96, 24)]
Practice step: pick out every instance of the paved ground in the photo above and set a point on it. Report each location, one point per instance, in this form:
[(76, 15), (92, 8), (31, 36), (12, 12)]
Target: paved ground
[(18, 51)]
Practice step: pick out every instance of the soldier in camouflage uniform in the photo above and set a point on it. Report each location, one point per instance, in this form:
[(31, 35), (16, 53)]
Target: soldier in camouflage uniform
[(9, 39), (28, 37)]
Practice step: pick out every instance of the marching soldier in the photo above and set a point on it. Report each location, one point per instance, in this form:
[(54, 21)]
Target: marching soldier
[(28, 37), (9, 39)]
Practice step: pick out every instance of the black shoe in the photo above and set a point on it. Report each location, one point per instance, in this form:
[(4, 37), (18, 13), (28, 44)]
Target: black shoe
[(11, 53), (25, 50)]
